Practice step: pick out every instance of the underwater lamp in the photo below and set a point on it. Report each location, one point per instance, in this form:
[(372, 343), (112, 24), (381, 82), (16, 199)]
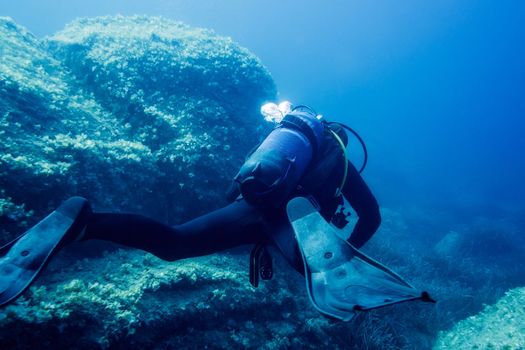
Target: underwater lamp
[(275, 113)]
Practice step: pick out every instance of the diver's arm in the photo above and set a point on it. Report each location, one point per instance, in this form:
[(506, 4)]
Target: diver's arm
[(365, 204)]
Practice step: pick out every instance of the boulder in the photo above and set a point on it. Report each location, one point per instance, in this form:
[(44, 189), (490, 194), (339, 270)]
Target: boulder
[(136, 113), (498, 326)]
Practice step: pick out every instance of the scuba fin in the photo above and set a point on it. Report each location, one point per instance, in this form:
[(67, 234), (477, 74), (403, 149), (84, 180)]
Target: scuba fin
[(341, 280), (22, 259)]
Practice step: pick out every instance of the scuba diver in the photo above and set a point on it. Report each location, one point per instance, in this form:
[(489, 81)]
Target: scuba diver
[(299, 172)]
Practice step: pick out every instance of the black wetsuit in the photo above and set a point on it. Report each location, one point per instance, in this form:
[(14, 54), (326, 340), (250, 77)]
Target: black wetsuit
[(240, 223)]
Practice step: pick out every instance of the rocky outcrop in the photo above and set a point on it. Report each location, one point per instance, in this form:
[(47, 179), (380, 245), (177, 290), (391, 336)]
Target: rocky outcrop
[(131, 300), (135, 113), (498, 326)]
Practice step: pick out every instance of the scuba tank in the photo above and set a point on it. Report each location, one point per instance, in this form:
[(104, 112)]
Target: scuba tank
[(271, 173)]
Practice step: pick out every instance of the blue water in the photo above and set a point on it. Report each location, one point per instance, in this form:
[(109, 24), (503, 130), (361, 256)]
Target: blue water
[(436, 89)]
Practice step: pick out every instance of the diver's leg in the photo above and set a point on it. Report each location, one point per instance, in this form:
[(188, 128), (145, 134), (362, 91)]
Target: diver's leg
[(22, 259), (360, 197), (236, 224), (281, 233)]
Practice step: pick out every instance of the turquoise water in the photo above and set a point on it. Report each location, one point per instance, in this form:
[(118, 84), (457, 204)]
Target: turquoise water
[(437, 90)]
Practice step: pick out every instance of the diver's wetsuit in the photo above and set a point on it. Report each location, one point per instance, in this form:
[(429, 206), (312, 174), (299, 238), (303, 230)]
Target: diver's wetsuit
[(241, 223)]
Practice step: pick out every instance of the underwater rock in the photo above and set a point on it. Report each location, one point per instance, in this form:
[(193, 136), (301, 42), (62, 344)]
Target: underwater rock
[(132, 300), (498, 326), (485, 241), (448, 245), (135, 113)]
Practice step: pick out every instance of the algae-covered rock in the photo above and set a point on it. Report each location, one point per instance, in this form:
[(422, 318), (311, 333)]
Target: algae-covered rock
[(135, 113), (498, 326), (132, 300)]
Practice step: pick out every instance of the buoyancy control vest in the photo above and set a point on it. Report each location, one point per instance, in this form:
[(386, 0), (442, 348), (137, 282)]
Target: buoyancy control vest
[(271, 173)]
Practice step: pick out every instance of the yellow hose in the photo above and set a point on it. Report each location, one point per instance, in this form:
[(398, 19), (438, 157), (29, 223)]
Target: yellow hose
[(338, 191)]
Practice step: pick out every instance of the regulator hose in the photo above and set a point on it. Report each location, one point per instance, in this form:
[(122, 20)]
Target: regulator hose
[(365, 152), (363, 145)]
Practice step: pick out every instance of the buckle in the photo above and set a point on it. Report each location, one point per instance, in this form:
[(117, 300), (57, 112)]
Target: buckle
[(261, 265)]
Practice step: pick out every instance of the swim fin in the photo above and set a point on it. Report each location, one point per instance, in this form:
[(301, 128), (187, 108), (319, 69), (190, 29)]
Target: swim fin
[(22, 259), (341, 280)]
